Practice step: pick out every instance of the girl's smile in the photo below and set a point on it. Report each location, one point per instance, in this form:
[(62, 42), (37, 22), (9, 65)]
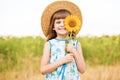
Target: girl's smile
[(59, 27)]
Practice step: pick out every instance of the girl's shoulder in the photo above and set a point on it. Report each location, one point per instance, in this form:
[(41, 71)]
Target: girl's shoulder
[(75, 41), (51, 40), (47, 43)]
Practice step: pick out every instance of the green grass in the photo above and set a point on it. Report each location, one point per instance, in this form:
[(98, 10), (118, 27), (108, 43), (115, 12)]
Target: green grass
[(96, 50), (101, 50), (13, 50)]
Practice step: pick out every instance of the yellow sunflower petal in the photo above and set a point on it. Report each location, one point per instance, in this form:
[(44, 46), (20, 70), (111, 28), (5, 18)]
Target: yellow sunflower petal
[(72, 23)]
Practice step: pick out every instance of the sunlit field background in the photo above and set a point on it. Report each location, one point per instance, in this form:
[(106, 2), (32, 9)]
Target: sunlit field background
[(20, 57)]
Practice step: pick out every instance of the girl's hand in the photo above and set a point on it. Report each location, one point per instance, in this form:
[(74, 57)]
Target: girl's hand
[(70, 48), (68, 58)]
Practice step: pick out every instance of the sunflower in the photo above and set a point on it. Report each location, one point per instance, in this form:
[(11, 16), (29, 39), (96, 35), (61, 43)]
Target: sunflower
[(72, 23)]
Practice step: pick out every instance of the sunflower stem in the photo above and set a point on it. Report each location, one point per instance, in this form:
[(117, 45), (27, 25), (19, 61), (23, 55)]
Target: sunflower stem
[(71, 36)]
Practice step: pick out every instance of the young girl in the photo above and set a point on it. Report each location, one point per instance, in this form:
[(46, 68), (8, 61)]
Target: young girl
[(55, 62)]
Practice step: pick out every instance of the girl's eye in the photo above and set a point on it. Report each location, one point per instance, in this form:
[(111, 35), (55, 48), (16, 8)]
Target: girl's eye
[(58, 22)]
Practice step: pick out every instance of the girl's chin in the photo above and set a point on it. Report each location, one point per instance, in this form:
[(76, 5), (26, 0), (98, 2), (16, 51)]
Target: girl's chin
[(63, 33)]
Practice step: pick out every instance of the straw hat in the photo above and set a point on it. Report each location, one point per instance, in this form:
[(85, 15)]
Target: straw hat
[(55, 6)]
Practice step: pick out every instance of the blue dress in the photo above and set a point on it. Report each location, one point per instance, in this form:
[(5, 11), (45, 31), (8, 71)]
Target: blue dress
[(66, 71)]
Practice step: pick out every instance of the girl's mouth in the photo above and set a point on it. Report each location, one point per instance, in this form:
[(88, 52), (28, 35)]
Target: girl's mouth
[(61, 29)]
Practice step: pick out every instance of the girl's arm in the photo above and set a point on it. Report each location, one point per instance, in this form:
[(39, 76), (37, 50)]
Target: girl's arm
[(45, 66), (78, 55)]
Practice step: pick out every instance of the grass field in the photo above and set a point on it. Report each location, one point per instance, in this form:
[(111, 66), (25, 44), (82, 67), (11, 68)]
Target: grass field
[(20, 57), (31, 72)]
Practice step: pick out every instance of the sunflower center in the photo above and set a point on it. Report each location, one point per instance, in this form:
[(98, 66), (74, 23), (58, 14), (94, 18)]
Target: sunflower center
[(72, 23)]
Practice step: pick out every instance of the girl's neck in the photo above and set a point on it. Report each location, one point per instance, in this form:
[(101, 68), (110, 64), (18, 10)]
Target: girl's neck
[(62, 37)]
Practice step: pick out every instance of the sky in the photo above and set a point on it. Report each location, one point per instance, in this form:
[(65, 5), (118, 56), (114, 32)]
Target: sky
[(23, 17)]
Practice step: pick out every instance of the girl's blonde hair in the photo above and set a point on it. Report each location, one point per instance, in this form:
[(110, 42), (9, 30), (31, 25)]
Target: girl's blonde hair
[(61, 14)]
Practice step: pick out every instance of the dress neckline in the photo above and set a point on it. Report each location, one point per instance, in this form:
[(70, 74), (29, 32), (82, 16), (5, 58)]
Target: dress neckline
[(60, 39)]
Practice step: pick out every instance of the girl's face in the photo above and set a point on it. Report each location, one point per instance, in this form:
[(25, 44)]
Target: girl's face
[(59, 27)]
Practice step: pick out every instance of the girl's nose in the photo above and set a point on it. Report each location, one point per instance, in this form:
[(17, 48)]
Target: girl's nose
[(62, 24)]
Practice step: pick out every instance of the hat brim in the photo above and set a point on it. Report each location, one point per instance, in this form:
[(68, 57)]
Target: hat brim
[(55, 6)]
